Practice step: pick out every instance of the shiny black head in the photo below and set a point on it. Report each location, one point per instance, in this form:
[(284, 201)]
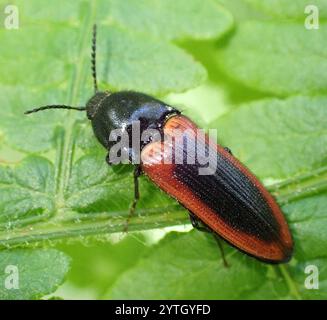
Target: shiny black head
[(108, 111)]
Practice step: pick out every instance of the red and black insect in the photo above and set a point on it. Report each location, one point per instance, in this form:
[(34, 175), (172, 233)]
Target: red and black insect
[(231, 203)]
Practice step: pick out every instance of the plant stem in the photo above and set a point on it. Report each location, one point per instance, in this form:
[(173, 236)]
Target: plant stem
[(290, 283)]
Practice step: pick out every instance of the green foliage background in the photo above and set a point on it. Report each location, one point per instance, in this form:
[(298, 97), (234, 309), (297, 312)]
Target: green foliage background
[(248, 68)]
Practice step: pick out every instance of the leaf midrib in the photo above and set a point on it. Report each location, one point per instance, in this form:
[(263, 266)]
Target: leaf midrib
[(64, 162)]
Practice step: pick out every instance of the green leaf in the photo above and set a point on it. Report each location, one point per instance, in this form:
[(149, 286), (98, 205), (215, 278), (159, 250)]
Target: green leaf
[(123, 58), (181, 266), (288, 9), (61, 11), (308, 218), (242, 10), (26, 192), (278, 138), (94, 187), (189, 266), (289, 59), (143, 63), (24, 133), (95, 267), (94, 200), (169, 19), (58, 185), (31, 274), (47, 54)]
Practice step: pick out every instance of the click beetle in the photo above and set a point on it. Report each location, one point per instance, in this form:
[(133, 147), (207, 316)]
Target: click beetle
[(231, 202)]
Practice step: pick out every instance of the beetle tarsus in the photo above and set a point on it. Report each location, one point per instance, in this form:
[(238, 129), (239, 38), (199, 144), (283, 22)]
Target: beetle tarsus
[(108, 159), (197, 224), (228, 150), (137, 173), (221, 248)]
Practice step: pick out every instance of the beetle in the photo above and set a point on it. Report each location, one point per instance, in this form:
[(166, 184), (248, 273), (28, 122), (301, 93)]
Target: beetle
[(231, 202)]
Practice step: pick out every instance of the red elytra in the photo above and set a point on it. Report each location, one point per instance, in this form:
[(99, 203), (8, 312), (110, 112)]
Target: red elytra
[(254, 224)]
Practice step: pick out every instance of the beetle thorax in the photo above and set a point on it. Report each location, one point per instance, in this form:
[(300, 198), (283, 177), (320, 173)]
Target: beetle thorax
[(121, 110), (94, 103)]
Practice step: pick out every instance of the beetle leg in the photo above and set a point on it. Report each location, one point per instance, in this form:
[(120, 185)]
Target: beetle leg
[(108, 160), (197, 224), (137, 173), (221, 248), (228, 150)]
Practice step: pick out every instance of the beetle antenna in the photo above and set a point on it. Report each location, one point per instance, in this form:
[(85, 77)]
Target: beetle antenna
[(55, 106), (93, 58)]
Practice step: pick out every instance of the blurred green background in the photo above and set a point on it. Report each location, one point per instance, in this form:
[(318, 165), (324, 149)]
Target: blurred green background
[(256, 70)]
